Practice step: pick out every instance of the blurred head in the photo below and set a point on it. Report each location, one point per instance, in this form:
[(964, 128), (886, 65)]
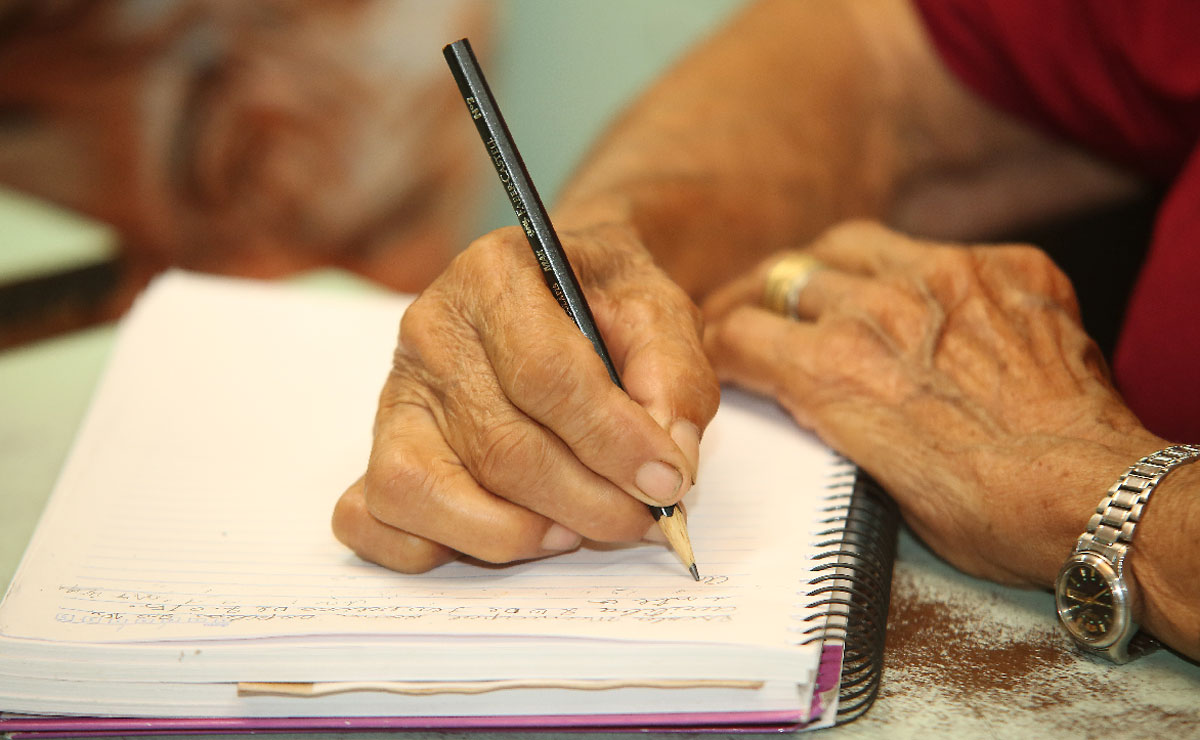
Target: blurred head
[(246, 137)]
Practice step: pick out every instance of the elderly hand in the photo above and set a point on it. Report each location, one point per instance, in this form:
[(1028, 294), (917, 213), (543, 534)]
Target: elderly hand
[(960, 377), (499, 434)]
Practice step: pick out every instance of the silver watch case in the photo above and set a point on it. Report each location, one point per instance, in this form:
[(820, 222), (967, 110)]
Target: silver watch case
[(1115, 643)]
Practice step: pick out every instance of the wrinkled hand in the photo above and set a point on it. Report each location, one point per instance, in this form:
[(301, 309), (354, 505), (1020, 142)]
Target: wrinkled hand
[(960, 377), (499, 434)]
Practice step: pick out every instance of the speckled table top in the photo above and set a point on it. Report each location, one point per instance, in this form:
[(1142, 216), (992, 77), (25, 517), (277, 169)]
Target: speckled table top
[(967, 658)]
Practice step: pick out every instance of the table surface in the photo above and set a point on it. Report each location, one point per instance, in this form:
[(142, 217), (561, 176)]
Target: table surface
[(964, 657)]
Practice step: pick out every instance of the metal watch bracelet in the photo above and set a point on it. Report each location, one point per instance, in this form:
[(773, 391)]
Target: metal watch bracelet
[(1111, 528)]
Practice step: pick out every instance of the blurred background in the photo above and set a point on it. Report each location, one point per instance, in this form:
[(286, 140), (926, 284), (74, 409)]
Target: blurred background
[(272, 137)]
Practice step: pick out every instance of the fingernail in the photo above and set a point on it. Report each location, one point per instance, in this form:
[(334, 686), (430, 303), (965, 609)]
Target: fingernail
[(560, 539), (658, 481), (687, 437)]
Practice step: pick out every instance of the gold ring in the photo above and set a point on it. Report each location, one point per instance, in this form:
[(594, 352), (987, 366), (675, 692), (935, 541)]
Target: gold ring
[(786, 279)]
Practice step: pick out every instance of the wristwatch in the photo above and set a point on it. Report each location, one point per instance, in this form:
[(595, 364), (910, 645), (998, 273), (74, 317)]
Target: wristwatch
[(1093, 594)]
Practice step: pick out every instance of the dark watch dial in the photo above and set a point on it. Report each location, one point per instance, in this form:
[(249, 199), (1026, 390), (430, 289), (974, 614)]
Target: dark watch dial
[(1092, 601), (1086, 603)]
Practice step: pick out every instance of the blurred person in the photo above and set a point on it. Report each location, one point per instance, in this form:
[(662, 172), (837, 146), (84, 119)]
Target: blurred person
[(253, 138)]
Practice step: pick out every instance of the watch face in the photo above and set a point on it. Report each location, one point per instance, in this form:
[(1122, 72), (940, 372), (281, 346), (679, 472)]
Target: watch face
[(1091, 601)]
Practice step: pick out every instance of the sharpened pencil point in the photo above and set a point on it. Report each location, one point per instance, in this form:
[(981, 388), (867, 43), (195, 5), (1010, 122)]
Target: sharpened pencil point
[(673, 523)]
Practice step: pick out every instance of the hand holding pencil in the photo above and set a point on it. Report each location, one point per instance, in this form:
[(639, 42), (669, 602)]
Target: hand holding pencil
[(502, 436)]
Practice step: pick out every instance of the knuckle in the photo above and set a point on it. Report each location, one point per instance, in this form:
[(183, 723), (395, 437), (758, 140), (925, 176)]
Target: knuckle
[(607, 258), (414, 560), (1055, 282), (441, 317), (855, 230), (641, 308), (419, 317), (889, 296), (348, 512), (651, 293), (723, 338), (1034, 271), (664, 306), (394, 485), (547, 377), (400, 551), (951, 265), (1024, 256), (899, 309), (951, 275), (1033, 265), (509, 448), (424, 328), (407, 553), (491, 257), (407, 400), (500, 550), (848, 341)]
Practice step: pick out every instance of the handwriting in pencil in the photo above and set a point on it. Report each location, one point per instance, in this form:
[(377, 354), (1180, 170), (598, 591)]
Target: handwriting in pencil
[(101, 607)]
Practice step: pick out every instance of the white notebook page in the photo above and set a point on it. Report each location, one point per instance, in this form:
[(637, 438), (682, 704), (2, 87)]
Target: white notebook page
[(195, 505)]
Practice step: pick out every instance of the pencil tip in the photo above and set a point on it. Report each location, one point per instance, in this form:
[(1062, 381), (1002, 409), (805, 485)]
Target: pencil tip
[(695, 573)]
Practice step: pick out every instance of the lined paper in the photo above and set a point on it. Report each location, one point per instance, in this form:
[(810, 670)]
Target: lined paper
[(194, 509)]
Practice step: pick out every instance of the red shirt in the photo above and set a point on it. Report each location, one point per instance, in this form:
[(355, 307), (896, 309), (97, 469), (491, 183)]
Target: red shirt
[(1123, 80)]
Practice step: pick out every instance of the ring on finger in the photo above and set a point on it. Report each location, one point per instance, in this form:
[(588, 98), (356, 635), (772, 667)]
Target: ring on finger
[(786, 279)]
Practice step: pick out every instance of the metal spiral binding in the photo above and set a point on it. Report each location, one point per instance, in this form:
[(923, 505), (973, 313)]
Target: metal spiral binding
[(852, 591)]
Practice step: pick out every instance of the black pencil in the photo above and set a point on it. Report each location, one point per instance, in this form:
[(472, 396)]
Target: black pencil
[(533, 219)]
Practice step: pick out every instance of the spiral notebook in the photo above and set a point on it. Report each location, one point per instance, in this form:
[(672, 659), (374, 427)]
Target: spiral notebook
[(183, 577)]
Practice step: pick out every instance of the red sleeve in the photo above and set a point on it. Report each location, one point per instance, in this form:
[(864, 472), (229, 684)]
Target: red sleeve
[(1122, 79)]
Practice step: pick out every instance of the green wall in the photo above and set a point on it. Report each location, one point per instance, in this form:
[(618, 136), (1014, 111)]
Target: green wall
[(564, 68)]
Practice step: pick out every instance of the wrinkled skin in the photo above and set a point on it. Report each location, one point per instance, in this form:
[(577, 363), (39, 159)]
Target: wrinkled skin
[(499, 434), (960, 377)]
